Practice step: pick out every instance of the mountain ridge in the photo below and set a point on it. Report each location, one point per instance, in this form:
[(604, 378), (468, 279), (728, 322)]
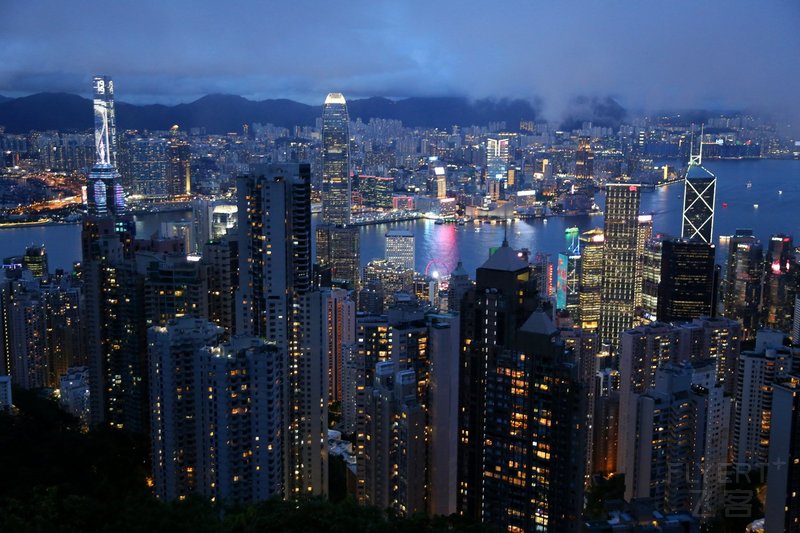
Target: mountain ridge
[(222, 113)]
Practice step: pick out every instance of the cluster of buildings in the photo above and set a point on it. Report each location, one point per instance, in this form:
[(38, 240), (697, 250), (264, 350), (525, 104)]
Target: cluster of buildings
[(488, 397)]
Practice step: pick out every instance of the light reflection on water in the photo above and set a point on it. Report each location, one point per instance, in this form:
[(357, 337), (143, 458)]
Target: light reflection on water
[(442, 246)]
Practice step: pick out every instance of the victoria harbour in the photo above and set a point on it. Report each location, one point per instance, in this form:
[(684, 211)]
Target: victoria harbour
[(766, 207)]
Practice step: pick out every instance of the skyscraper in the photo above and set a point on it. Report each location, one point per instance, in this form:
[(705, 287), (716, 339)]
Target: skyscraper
[(568, 274), (175, 404), (179, 162), (335, 160), (687, 288), (400, 248), (339, 248), (620, 261), (591, 278), (104, 193), (699, 194), (584, 160), (742, 295), (780, 284), (782, 509), (279, 303)]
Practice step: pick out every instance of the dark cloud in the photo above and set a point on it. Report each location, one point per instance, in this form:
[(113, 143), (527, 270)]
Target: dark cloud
[(647, 55)]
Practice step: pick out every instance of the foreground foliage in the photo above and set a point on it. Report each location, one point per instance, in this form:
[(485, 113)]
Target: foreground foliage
[(57, 478)]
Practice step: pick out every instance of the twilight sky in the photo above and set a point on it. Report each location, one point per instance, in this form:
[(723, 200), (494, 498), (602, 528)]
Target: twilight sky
[(646, 53)]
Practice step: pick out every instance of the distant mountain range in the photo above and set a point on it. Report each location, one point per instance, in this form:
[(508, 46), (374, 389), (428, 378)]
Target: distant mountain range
[(220, 113)]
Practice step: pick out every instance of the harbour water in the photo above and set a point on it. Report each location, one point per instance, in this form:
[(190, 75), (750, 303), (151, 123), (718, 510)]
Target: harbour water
[(775, 190)]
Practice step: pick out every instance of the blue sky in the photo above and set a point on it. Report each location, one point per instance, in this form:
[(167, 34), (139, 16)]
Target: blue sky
[(648, 54)]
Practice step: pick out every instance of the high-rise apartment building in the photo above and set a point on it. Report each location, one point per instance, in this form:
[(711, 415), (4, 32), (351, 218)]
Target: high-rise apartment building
[(279, 303), (782, 508), (335, 160), (757, 373), (340, 314), (244, 388), (175, 405), (620, 261)]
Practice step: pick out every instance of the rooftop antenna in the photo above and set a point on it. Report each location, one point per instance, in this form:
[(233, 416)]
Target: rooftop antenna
[(696, 159)]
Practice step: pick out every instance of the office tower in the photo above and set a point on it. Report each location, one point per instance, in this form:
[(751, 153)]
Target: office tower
[(35, 260), (679, 445), (175, 404), (395, 455), (602, 454), (642, 350), (339, 248), (568, 276), (335, 161), (620, 261), (103, 192), (686, 290), (400, 248), (173, 287), (743, 281), (699, 193), (780, 284), (644, 233), (179, 165), (590, 284), (279, 303), (221, 258), (782, 508), (718, 339), (244, 385), (443, 333), (376, 191), (340, 313), (584, 160), (392, 277), (757, 373), (497, 157), (651, 280)]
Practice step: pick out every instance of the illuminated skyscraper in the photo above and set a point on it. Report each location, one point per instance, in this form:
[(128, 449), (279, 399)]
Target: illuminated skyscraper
[(644, 232), (104, 193), (698, 201), (620, 261), (591, 278), (400, 248), (179, 159), (339, 248), (780, 273), (584, 160), (335, 160), (568, 276), (742, 294)]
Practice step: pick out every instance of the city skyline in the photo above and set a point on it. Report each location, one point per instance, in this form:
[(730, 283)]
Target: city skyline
[(690, 56)]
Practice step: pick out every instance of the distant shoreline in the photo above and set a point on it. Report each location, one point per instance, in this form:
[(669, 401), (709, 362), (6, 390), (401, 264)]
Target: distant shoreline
[(37, 223)]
